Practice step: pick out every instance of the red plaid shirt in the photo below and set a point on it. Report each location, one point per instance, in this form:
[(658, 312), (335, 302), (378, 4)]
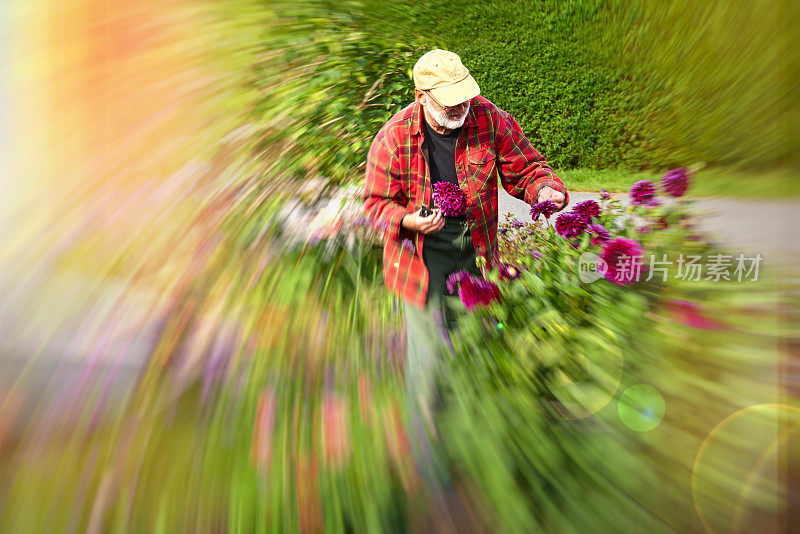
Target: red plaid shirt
[(398, 182)]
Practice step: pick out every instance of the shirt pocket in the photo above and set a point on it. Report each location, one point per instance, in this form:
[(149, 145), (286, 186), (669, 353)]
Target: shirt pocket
[(482, 168)]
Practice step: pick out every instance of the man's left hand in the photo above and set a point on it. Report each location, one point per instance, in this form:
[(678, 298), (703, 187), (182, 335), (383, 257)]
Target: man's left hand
[(548, 193)]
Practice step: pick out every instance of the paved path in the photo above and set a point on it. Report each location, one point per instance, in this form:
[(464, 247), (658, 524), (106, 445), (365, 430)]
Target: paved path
[(767, 226)]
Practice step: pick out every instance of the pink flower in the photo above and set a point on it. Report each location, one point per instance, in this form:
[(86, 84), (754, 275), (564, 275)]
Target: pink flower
[(336, 441), (450, 198), (261, 450), (643, 193), (623, 260), (604, 195), (676, 181)]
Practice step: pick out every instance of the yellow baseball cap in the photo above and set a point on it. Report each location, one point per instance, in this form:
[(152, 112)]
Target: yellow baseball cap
[(446, 77)]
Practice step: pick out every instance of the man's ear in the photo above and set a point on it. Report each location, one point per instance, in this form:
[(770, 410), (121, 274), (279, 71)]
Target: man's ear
[(418, 94)]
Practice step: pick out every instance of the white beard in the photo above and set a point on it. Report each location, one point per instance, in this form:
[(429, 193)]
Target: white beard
[(445, 121)]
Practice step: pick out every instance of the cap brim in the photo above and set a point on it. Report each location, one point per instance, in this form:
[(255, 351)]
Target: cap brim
[(453, 95)]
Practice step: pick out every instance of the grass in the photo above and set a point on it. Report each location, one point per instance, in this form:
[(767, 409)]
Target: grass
[(707, 182)]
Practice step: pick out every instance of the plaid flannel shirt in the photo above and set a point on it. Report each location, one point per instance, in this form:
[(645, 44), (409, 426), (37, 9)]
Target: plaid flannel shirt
[(398, 182)]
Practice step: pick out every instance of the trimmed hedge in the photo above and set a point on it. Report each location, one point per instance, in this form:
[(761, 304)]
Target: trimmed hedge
[(626, 84)]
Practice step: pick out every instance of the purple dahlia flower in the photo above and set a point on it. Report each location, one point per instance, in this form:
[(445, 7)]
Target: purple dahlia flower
[(570, 224), (450, 198), (508, 271), (474, 291), (599, 233), (518, 224), (408, 244), (676, 181), (604, 195), (623, 260), (587, 209), (643, 192), (546, 208), (454, 279)]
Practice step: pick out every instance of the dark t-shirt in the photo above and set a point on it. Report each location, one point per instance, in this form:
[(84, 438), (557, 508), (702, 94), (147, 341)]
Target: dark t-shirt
[(442, 152)]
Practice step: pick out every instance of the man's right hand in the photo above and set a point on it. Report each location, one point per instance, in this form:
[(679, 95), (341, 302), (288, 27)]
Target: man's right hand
[(424, 225)]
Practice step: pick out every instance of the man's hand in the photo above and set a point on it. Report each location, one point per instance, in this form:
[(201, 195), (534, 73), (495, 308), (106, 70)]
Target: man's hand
[(425, 225), (548, 193)]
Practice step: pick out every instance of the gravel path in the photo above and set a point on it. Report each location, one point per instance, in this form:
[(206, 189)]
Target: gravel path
[(767, 226)]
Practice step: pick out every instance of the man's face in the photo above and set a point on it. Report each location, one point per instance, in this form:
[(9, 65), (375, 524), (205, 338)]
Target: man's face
[(450, 117)]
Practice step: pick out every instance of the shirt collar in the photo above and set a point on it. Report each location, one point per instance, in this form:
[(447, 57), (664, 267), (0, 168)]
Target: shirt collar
[(417, 116)]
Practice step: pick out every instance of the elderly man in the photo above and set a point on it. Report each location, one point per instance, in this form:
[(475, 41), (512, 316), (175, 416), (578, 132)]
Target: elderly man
[(449, 133)]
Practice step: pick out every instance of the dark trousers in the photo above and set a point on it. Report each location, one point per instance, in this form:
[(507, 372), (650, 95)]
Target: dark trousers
[(429, 343)]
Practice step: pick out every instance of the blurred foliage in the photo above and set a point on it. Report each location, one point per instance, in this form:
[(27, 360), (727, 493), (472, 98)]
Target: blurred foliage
[(540, 373), (269, 395), (325, 85)]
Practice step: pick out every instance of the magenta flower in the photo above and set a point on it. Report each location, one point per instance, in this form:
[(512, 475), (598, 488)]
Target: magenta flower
[(604, 195), (518, 224), (475, 291), (587, 209), (599, 233), (643, 193), (623, 260), (690, 314), (508, 271), (546, 208), (676, 181), (570, 224), (450, 198), (454, 279)]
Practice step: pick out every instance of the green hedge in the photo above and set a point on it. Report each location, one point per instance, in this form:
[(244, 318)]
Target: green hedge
[(626, 84)]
